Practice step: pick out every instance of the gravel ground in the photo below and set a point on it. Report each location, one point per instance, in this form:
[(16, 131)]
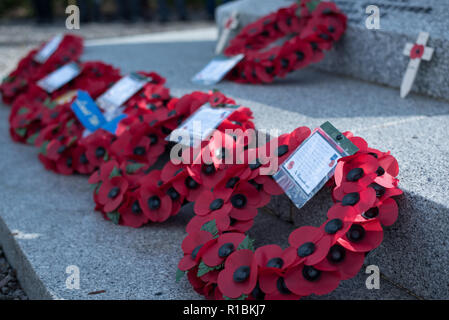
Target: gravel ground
[(9, 286)]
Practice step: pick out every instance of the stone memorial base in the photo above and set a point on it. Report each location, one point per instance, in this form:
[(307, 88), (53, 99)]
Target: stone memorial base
[(375, 55), (47, 221)]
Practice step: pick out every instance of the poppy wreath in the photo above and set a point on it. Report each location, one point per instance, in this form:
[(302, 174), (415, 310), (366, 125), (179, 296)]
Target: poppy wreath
[(128, 190), (29, 71), (64, 149), (35, 110), (220, 259), (311, 27)]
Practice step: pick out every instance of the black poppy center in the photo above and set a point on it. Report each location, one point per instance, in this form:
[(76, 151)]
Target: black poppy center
[(154, 202), (241, 274), (135, 208), (355, 174), (226, 249), (310, 273), (306, 249), (282, 287), (139, 151), (83, 159), (336, 254), (61, 149), (114, 192), (282, 150), (380, 171), (256, 165), (380, 191), (356, 233), (371, 213), (275, 263), (173, 194), (190, 183), (208, 169), (351, 199), (333, 226), (299, 55), (69, 162), (238, 201), (100, 152), (232, 182), (216, 204), (153, 139)]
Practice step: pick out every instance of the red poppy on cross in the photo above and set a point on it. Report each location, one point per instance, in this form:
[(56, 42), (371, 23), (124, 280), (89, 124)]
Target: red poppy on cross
[(417, 52), (231, 23)]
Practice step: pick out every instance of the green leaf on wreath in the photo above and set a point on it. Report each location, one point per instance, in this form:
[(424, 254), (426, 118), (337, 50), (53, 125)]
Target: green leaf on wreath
[(32, 139), (21, 132), (43, 148), (97, 187), (114, 216), (22, 111), (311, 5), (133, 167), (210, 227), (179, 274), (247, 243), (115, 173), (50, 104), (70, 123), (106, 157), (203, 268)]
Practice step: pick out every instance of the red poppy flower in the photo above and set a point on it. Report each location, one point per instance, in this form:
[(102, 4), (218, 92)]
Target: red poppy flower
[(360, 200), (97, 147), (80, 162), (239, 275), (340, 219), (225, 245), (363, 237), (272, 262), (131, 214), (356, 172), (310, 244), (111, 193), (191, 246), (156, 204), (211, 203), (304, 280), (417, 51)]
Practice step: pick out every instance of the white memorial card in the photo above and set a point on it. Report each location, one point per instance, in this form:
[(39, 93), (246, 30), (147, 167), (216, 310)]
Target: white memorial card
[(217, 69), (313, 163), (48, 49), (121, 91), (59, 77), (200, 125)]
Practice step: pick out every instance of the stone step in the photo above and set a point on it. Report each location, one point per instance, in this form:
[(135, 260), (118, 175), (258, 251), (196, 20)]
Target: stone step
[(375, 55), (48, 221)]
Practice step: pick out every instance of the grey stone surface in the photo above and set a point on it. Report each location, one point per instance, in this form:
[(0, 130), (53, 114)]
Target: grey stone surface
[(130, 263), (376, 55)]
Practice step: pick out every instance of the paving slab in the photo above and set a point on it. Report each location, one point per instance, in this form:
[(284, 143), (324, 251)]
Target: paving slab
[(48, 222)]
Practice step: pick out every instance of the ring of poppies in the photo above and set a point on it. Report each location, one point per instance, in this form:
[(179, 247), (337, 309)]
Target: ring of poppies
[(128, 190), (220, 259), (29, 71), (311, 27)]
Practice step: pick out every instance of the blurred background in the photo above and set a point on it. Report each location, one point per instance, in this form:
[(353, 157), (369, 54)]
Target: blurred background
[(26, 23), (48, 11)]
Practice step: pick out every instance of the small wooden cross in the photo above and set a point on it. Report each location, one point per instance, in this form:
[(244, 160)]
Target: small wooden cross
[(231, 24), (416, 51)]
